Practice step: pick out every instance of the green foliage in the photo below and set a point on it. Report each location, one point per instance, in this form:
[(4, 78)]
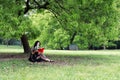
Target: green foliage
[(60, 39), (14, 22), (96, 22), (9, 17), (82, 22), (93, 22)]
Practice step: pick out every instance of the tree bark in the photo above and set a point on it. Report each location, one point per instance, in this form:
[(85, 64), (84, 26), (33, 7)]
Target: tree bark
[(104, 47), (25, 44), (72, 37), (28, 6)]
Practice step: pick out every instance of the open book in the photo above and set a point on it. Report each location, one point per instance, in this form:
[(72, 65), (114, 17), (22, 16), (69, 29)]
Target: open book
[(41, 50)]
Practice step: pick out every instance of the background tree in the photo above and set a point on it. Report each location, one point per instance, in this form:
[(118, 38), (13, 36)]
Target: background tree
[(93, 22)]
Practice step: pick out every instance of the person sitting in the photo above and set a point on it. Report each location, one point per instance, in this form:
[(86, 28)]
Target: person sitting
[(37, 53)]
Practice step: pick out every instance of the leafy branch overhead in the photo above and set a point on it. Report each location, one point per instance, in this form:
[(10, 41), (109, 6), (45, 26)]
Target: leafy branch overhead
[(35, 4), (83, 22)]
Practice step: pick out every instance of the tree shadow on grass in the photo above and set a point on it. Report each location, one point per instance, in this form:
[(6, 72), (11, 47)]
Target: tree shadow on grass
[(67, 59), (87, 59), (12, 55)]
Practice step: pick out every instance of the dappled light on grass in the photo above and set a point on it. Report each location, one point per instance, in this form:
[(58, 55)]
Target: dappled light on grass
[(67, 66)]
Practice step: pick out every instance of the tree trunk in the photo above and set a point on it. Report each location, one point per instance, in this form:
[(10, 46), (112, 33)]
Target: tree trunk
[(104, 47), (72, 37), (25, 44)]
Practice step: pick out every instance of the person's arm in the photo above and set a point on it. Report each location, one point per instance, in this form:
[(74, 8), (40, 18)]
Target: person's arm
[(34, 51)]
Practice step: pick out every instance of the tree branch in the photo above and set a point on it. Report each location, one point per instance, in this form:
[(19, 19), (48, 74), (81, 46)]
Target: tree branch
[(38, 6), (56, 16), (73, 37), (63, 8), (27, 7)]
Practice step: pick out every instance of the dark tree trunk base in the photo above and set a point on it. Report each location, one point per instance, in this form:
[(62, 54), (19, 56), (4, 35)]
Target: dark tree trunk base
[(25, 44)]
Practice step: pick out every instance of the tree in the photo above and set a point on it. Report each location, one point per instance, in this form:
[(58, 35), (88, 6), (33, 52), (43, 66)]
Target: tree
[(14, 19), (89, 23), (93, 22)]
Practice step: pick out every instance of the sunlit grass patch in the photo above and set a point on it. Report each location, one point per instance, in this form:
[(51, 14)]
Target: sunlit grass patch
[(11, 49), (68, 65), (22, 69)]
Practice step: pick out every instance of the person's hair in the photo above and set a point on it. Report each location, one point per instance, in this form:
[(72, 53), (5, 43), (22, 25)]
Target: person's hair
[(35, 44)]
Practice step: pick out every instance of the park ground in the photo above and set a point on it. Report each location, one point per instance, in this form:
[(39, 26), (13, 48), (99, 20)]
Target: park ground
[(68, 65)]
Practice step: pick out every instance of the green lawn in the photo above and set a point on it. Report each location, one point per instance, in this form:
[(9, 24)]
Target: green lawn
[(11, 49), (68, 65)]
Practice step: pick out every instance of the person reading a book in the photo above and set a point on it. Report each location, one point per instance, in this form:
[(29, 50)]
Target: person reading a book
[(37, 54)]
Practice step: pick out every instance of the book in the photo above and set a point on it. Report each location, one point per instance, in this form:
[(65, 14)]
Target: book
[(41, 50)]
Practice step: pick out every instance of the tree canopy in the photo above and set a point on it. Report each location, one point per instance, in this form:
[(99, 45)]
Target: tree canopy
[(59, 23)]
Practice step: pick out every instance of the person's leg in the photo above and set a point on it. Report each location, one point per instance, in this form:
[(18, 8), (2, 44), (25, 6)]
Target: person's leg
[(45, 58), (32, 58), (39, 60)]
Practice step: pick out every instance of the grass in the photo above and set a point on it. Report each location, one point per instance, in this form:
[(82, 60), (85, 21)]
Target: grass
[(68, 65), (11, 49)]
